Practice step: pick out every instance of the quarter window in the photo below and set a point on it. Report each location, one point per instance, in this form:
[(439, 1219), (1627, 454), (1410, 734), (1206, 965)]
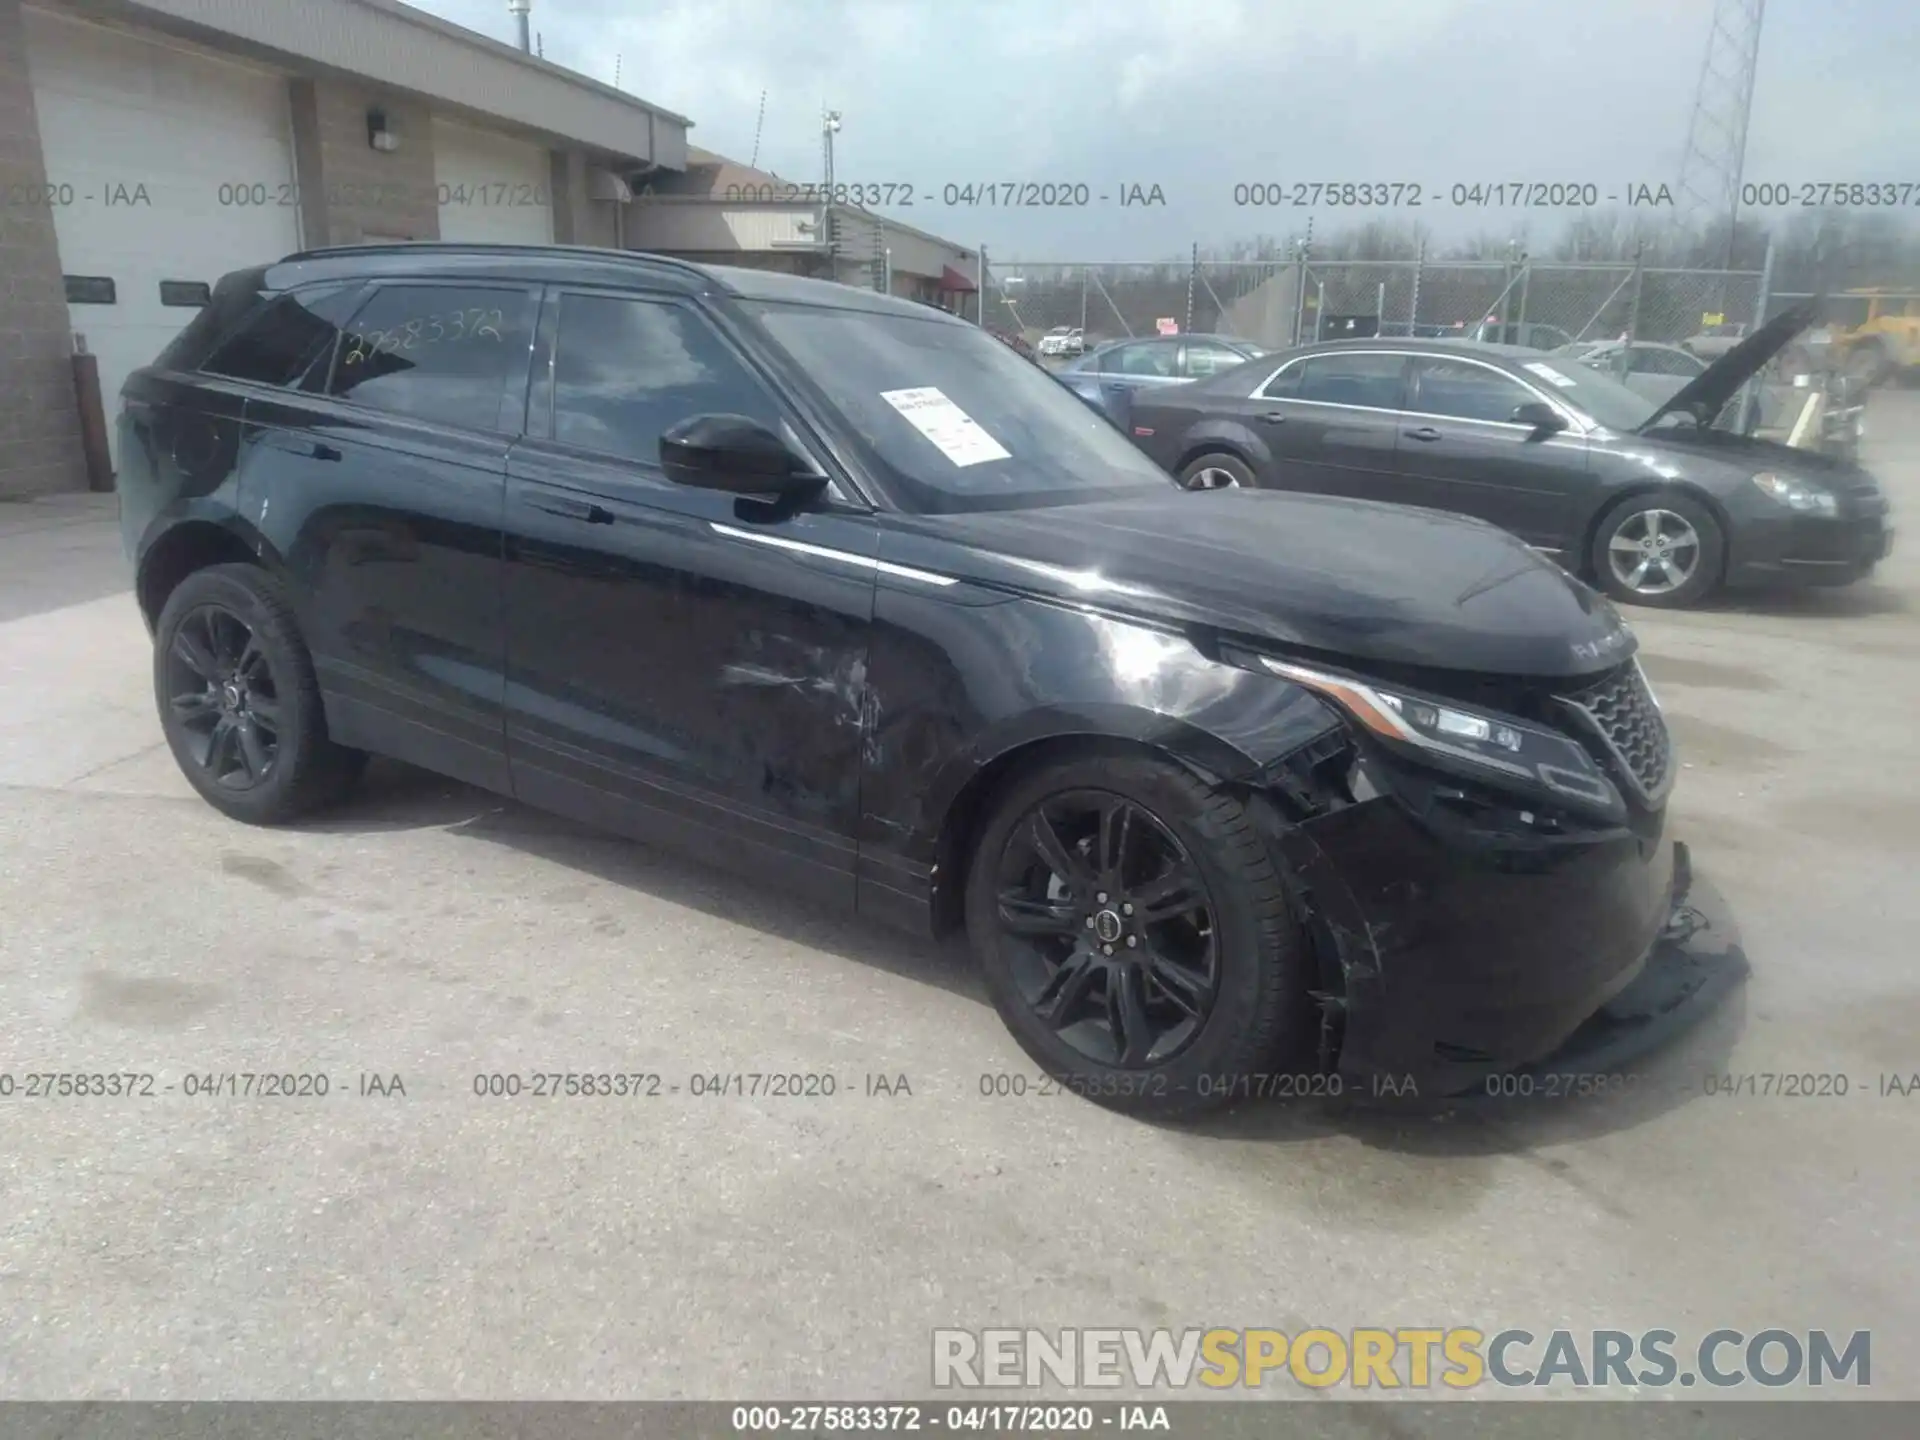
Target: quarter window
[(1464, 391), (627, 370), (445, 353), (284, 338)]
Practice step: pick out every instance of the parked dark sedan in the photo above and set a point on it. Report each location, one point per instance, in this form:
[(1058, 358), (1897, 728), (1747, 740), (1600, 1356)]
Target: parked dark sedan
[(838, 591), (1109, 376), (1641, 495)]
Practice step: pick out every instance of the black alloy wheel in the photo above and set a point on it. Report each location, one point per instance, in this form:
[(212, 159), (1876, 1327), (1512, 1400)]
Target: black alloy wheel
[(1112, 938), (1136, 936), (238, 700), (223, 697)]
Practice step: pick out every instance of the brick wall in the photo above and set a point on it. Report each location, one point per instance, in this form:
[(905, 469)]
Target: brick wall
[(349, 190), (39, 419)]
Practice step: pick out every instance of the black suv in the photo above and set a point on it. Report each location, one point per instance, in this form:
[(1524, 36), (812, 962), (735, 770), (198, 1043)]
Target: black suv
[(838, 590)]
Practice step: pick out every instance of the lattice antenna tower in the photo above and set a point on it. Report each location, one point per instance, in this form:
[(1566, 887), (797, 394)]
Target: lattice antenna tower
[(1716, 153)]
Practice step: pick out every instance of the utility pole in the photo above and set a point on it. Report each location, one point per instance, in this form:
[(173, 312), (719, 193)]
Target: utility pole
[(829, 127)]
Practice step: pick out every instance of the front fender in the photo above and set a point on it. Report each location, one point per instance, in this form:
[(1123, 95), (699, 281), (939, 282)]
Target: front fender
[(958, 692), (1222, 433)]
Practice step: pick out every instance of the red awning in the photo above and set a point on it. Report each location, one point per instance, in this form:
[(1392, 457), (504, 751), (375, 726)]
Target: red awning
[(952, 282)]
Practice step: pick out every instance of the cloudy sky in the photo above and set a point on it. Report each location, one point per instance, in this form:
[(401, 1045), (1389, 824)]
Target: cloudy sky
[(1197, 96)]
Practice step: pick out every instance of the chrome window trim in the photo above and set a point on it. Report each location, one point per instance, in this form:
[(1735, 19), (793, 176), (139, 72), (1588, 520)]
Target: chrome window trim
[(823, 552), (1575, 422)]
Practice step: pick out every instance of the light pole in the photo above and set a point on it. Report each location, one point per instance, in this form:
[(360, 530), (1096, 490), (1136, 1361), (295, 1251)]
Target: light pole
[(829, 127)]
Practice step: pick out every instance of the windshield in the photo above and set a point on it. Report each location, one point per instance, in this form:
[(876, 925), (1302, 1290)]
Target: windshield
[(1594, 393), (953, 419)]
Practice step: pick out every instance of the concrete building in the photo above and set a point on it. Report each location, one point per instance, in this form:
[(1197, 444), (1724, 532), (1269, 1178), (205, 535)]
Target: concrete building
[(147, 147), (719, 210)]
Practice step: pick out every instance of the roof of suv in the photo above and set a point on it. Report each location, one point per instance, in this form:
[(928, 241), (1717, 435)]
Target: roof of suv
[(579, 264)]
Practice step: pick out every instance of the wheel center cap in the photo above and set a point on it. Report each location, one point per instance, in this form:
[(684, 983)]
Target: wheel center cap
[(1107, 926), (230, 695)]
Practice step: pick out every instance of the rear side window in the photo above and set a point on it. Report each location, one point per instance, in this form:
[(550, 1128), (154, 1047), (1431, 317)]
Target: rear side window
[(445, 353), (1372, 381), (284, 338)]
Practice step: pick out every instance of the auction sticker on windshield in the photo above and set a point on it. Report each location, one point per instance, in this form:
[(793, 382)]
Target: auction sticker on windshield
[(957, 433), (1547, 372)]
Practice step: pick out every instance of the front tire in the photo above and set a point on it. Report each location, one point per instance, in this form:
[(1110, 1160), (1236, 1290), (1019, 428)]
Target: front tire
[(1218, 471), (1660, 550), (238, 700), (1136, 936)]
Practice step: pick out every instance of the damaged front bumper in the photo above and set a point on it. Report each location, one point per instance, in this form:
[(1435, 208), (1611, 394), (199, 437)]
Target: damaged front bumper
[(1453, 952)]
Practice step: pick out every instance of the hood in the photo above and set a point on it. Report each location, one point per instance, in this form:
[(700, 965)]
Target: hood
[(1341, 580), (1707, 394)]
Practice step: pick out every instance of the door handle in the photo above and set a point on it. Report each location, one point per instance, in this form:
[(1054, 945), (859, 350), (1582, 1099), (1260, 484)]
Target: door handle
[(319, 451), (573, 509), (1425, 432), (1274, 417)]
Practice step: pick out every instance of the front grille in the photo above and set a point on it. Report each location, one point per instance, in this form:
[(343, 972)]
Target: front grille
[(1625, 720)]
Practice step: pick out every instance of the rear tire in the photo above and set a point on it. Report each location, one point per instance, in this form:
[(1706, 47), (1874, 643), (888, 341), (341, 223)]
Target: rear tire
[(1218, 471), (1689, 563), (1164, 1009), (238, 700)]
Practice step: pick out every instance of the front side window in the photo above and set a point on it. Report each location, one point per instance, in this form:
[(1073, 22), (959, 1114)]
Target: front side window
[(1465, 391), (445, 353), (626, 370), (285, 337)]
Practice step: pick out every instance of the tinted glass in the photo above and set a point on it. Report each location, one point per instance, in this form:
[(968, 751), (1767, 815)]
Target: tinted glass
[(436, 352), (1204, 359), (626, 370), (1465, 391), (284, 338), (1057, 449), (1148, 359), (1369, 380), (1650, 361)]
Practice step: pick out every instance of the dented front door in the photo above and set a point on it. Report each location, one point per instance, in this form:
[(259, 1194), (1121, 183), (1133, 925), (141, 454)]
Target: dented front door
[(679, 665)]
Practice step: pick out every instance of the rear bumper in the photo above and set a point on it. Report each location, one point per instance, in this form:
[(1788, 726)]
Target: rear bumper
[(1455, 965)]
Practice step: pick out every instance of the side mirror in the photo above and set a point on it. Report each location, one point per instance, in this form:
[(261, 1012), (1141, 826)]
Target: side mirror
[(1539, 416), (734, 454)]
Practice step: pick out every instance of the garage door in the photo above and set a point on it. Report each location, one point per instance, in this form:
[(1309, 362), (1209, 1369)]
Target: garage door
[(171, 168), (493, 188)]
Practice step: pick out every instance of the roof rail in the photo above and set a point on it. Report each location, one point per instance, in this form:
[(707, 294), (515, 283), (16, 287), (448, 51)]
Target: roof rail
[(478, 247)]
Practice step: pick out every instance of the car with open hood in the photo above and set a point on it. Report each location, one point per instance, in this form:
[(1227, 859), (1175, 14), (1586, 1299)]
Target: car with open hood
[(837, 591), (1645, 497)]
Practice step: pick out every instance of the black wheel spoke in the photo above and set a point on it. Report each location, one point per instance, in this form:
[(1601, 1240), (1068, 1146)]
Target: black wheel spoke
[(1116, 825), (1189, 990), (220, 746), (254, 755), (1133, 1032), (1172, 895), (266, 710), (193, 652), (1065, 995), (1024, 915), (225, 643), (194, 707), (252, 660), (1071, 870)]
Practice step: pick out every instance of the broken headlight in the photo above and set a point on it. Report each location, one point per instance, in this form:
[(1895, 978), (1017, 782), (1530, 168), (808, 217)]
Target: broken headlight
[(1483, 744)]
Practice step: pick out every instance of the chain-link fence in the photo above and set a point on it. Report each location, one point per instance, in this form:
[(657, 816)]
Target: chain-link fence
[(1285, 302)]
